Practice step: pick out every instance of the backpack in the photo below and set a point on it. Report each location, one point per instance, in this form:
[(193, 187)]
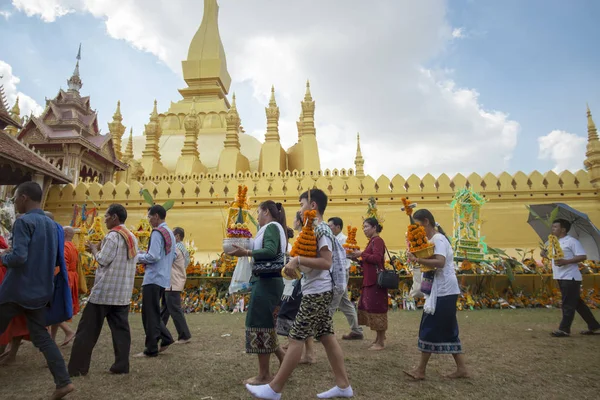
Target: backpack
[(338, 255)]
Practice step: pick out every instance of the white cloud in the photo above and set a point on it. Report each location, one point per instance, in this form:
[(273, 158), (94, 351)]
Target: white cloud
[(10, 82), (366, 75), (48, 10), (5, 14), (566, 150), (458, 33)]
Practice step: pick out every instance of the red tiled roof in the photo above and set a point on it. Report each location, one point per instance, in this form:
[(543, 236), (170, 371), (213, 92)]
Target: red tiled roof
[(16, 152)]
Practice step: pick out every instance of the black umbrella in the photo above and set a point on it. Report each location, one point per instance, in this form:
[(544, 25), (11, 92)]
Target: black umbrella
[(581, 227)]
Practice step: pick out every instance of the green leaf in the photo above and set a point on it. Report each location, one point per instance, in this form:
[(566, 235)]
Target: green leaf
[(519, 250), (553, 216), (251, 218), (509, 272), (168, 205), (147, 196)]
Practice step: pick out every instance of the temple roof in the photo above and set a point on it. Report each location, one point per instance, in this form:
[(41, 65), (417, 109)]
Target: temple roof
[(68, 118), (15, 152), (5, 118)]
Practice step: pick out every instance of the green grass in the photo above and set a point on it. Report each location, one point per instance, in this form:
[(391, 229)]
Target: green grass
[(510, 354)]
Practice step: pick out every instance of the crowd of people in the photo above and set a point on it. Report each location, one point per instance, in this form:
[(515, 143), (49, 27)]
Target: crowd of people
[(300, 309)]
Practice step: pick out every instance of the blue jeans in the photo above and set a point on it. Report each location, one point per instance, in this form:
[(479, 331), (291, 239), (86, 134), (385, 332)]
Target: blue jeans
[(36, 323)]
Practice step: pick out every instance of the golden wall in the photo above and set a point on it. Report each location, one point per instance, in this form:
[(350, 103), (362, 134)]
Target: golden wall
[(201, 201)]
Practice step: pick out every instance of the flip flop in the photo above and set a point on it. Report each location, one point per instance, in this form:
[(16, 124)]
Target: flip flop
[(590, 332)]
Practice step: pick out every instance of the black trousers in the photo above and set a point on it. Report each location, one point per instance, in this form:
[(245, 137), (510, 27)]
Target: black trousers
[(171, 307), (88, 332), (572, 302), (36, 323), (153, 325)]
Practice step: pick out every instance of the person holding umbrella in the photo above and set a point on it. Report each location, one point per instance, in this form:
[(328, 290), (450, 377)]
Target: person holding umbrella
[(566, 273)]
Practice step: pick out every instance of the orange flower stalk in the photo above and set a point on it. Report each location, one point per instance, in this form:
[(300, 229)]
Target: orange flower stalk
[(351, 245), (408, 207), (306, 243)]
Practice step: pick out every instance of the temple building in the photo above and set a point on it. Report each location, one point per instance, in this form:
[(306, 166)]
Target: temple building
[(18, 162), (67, 134), (206, 113)]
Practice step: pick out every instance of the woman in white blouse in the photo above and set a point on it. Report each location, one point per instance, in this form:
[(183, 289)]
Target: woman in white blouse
[(438, 332)]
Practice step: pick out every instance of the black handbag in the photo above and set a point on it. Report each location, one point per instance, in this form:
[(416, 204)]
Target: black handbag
[(387, 279), (270, 266)]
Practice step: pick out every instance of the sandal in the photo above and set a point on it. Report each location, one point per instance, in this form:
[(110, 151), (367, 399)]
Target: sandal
[(591, 332), (560, 334)]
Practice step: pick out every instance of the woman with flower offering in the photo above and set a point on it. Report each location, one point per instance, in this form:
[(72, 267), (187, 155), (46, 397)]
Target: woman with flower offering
[(373, 301), (438, 332), (267, 288)]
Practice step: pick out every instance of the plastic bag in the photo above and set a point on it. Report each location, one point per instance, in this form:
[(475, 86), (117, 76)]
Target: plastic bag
[(240, 281), (415, 291)]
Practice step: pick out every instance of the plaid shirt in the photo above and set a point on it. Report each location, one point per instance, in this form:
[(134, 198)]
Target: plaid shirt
[(115, 274)]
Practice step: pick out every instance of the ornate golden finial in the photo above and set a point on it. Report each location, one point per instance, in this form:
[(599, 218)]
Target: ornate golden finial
[(154, 113), (128, 156), (117, 115), (233, 105), (74, 81), (592, 132), (15, 112), (308, 95), (359, 161), (272, 101), (272, 119)]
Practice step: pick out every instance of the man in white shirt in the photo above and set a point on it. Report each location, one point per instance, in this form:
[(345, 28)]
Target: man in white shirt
[(566, 272), (342, 301), (171, 298)]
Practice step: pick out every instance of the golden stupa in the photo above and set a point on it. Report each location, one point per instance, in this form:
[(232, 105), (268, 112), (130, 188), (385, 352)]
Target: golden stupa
[(166, 160), (206, 118)]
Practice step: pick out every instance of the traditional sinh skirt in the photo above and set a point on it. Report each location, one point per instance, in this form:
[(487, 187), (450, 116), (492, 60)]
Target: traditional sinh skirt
[(289, 310), (438, 333), (373, 308), (262, 314)]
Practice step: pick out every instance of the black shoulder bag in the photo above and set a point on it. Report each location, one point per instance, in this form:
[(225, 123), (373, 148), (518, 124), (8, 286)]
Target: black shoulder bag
[(388, 279)]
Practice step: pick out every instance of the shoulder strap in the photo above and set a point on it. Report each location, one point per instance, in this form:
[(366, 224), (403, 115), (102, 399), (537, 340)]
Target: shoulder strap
[(166, 237)]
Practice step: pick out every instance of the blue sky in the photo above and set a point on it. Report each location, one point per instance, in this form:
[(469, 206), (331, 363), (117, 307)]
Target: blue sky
[(537, 60), (534, 62)]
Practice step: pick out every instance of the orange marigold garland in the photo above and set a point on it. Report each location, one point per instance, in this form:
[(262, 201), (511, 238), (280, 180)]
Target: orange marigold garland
[(306, 242), (351, 245), (418, 244)]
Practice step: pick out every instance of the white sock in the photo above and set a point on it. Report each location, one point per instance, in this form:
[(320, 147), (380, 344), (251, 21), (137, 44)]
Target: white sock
[(336, 392), (263, 392)]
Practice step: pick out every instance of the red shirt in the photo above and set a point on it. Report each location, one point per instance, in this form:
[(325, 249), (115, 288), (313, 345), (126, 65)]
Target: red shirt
[(372, 260)]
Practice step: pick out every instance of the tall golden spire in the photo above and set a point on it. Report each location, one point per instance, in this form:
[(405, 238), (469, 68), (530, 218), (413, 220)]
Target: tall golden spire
[(233, 119), (150, 155), (190, 144), (359, 161), (128, 156), (592, 132), (205, 70), (189, 162), (592, 154), (272, 112), (15, 114), (117, 129), (308, 113)]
